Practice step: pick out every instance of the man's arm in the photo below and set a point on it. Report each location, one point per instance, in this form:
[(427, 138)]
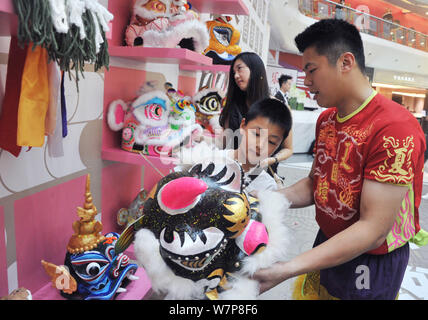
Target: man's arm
[(301, 194), (379, 206)]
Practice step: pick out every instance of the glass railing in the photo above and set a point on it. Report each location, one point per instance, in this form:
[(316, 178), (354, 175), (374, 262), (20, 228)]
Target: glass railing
[(365, 22)]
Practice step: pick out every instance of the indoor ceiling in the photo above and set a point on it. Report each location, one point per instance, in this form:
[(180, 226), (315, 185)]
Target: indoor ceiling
[(419, 7), (287, 21)]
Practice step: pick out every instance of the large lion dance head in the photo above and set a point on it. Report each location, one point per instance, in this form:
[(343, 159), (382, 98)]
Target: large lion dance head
[(200, 232)]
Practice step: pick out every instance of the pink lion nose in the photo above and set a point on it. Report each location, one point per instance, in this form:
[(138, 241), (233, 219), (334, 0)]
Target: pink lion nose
[(180, 195)]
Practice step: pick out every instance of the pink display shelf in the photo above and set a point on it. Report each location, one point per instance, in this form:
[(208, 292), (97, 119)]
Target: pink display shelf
[(115, 154), (155, 167), (135, 290), (121, 10), (8, 18), (237, 7), (212, 68), (6, 6), (122, 83), (160, 55)]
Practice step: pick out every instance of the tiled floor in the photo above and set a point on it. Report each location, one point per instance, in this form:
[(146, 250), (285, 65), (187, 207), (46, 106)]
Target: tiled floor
[(303, 227)]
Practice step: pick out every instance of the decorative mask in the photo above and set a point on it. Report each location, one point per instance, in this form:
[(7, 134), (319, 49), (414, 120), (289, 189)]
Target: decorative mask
[(197, 228), (92, 269), (224, 39), (152, 124), (209, 102), (166, 24)]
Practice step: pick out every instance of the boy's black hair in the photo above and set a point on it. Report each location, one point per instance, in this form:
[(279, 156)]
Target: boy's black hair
[(283, 78), (331, 38), (274, 110)]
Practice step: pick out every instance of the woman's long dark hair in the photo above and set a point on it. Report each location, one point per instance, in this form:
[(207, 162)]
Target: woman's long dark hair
[(257, 86)]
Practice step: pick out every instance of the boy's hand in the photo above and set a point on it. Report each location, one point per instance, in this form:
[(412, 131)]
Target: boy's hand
[(267, 162)]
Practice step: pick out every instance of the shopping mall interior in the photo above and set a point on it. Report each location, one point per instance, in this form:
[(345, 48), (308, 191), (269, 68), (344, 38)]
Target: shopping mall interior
[(97, 85)]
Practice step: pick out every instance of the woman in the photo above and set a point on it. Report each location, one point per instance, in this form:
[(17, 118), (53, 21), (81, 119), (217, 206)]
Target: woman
[(248, 84)]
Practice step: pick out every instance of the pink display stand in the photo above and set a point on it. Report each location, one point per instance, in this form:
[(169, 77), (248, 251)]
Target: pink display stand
[(135, 290), (122, 180), (43, 226), (3, 257)]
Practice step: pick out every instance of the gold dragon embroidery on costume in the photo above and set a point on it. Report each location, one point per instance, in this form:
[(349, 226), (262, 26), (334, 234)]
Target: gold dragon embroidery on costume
[(360, 135), (322, 190), (397, 167)]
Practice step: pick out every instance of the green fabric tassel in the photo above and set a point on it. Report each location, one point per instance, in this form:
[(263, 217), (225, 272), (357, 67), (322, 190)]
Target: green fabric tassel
[(68, 50)]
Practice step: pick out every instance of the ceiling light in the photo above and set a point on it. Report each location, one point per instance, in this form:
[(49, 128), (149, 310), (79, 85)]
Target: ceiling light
[(390, 86), (416, 95)]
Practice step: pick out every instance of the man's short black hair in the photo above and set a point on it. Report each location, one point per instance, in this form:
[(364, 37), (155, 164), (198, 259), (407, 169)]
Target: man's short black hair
[(332, 38), (283, 78), (273, 109)]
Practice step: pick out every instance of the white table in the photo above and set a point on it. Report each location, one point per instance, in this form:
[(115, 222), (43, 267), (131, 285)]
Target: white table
[(304, 123)]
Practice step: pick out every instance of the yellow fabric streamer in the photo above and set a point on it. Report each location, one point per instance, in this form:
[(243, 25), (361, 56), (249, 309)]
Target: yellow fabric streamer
[(308, 287), (34, 99)]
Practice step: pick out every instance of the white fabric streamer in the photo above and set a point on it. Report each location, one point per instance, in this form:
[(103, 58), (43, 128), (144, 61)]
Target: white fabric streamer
[(55, 140), (59, 15), (75, 10)]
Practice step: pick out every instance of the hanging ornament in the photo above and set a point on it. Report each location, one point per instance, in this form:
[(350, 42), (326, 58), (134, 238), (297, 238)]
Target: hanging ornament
[(72, 31)]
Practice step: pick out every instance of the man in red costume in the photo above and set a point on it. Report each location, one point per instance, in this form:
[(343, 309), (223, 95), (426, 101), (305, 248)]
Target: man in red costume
[(365, 181)]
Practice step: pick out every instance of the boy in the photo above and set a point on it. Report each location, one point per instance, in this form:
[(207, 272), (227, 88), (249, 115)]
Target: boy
[(266, 126), (365, 181)]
